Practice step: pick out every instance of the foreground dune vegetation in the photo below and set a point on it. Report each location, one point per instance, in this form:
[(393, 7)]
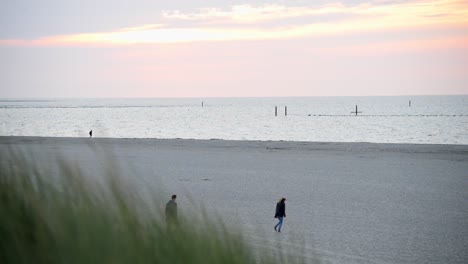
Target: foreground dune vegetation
[(68, 218)]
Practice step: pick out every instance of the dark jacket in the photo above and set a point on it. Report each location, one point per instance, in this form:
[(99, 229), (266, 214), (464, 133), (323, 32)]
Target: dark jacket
[(280, 209), (171, 210)]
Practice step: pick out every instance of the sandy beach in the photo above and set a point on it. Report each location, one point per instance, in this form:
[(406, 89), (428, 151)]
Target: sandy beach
[(346, 202)]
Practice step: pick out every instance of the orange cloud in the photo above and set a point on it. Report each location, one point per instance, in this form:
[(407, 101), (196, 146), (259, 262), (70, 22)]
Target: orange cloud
[(365, 17)]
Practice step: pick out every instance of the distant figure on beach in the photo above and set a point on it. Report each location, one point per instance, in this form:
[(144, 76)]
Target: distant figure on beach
[(280, 213), (171, 211), (91, 133)]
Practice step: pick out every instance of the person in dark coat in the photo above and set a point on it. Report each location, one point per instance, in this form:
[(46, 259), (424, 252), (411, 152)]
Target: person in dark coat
[(280, 213), (171, 211), (91, 133)]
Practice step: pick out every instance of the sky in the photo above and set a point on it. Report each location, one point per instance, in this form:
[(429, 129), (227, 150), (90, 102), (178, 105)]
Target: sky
[(219, 48)]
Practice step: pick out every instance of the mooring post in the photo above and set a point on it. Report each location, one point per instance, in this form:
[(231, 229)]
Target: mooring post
[(201, 103), (356, 112), (409, 103), (285, 111), (276, 110)]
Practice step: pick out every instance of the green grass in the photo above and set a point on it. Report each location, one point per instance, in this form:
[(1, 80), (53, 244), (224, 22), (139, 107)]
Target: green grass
[(72, 219)]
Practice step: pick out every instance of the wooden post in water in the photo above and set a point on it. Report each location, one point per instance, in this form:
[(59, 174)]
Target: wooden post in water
[(276, 110), (409, 103), (356, 112), (285, 111), (201, 103)]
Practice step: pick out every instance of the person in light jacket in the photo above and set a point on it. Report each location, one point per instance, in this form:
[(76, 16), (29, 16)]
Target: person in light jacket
[(280, 213)]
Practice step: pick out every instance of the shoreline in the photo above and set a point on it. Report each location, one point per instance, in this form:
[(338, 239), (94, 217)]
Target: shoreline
[(268, 144)]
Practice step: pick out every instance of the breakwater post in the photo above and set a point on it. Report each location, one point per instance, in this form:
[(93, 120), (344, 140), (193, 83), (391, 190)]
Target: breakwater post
[(285, 111), (409, 103), (355, 112), (276, 110)]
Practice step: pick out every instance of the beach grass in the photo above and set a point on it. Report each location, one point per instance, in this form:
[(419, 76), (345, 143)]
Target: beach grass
[(72, 219)]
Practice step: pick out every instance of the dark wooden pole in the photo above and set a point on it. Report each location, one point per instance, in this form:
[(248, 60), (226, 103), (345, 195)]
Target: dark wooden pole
[(409, 103), (356, 112), (276, 111), (285, 111)]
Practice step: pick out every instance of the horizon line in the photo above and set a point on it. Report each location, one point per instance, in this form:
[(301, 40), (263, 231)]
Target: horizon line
[(222, 97)]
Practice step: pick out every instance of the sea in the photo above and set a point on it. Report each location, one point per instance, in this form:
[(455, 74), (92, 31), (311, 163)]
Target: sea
[(386, 119)]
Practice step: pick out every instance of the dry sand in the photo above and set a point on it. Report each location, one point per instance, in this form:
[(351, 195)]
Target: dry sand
[(346, 202)]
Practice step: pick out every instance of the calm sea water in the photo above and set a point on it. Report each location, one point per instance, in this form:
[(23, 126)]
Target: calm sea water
[(430, 119)]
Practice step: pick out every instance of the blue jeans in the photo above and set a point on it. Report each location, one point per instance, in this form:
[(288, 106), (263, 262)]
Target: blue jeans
[(279, 224)]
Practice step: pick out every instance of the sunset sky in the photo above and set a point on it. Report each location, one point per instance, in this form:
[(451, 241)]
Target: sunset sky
[(216, 48)]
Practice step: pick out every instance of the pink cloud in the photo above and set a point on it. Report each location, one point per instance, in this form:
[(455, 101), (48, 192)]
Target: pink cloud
[(367, 17)]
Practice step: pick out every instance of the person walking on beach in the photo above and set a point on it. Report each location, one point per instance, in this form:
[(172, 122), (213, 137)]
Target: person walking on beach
[(91, 133), (171, 211), (280, 213)]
